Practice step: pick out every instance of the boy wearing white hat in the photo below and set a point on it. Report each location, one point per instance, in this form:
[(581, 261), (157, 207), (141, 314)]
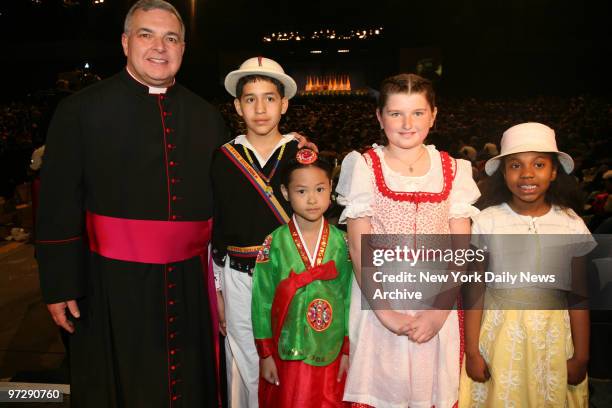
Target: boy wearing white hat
[(247, 207)]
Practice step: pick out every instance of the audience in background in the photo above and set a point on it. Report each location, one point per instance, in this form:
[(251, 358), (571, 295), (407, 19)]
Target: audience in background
[(338, 124)]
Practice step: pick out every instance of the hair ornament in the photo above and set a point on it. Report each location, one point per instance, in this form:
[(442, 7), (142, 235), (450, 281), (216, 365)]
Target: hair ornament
[(306, 156)]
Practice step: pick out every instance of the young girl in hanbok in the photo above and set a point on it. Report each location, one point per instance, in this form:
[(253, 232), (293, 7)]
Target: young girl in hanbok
[(404, 358), (516, 357), (301, 292)]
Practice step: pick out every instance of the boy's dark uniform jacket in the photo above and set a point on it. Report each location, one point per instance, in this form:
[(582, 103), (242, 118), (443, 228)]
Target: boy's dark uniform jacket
[(250, 219), (144, 338)]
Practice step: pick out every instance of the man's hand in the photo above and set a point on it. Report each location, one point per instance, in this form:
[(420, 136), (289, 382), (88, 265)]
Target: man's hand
[(267, 367), (58, 313), (427, 324), (344, 365), (476, 367), (221, 312), (304, 142)]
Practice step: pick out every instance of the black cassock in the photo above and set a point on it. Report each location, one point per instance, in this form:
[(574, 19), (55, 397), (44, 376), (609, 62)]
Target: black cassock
[(144, 338)]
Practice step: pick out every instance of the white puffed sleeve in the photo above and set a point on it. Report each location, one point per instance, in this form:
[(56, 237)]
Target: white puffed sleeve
[(477, 234), (355, 188), (583, 240), (464, 193)]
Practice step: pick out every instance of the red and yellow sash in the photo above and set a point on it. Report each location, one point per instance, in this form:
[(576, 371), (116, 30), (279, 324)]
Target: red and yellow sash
[(258, 183)]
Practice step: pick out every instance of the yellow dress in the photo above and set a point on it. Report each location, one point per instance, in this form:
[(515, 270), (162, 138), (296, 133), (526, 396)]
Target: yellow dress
[(526, 352)]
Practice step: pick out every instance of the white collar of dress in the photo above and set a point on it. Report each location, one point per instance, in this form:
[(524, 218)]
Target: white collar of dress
[(311, 257)]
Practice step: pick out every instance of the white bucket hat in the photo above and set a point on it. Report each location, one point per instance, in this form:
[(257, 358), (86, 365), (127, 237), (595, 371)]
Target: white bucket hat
[(261, 66), (529, 137)]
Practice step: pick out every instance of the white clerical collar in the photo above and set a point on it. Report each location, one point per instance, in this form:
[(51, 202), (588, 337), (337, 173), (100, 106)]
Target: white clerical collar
[(311, 257), (153, 90), (242, 139)]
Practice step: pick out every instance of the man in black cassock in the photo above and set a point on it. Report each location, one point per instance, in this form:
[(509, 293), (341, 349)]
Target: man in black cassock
[(124, 224)]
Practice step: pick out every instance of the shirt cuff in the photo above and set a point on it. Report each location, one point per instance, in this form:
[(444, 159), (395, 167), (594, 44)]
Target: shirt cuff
[(265, 347)]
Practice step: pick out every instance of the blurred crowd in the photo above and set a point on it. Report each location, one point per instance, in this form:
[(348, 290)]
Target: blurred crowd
[(469, 128), (21, 131), (23, 128)]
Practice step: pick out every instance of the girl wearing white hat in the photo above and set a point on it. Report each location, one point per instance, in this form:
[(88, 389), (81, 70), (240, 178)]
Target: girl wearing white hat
[(527, 358)]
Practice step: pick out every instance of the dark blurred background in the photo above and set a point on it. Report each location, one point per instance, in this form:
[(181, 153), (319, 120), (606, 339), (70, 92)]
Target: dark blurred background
[(493, 47)]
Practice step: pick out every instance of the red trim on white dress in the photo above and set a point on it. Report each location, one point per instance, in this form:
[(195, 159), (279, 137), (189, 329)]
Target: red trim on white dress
[(414, 196)]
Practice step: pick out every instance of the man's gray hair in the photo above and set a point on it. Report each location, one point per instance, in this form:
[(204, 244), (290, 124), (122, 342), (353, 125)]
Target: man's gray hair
[(147, 5)]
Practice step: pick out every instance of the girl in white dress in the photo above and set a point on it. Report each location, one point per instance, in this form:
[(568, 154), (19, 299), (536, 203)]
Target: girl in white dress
[(398, 358)]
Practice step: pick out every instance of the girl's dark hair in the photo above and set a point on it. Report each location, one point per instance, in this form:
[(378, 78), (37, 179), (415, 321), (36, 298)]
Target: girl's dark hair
[(292, 165), (563, 191), (406, 84)]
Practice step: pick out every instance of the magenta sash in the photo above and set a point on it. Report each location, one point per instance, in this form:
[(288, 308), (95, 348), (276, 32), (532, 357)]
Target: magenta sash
[(147, 241)]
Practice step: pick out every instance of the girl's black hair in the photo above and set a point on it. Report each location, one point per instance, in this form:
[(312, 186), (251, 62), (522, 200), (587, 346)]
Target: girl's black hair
[(292, 165), (563, 191)]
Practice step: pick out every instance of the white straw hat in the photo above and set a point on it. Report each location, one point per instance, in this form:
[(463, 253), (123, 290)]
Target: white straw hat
[(261, 66), (529, 137)]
